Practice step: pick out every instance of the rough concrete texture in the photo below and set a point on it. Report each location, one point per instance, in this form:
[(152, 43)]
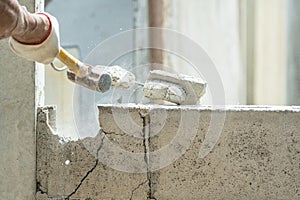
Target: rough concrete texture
[(256, 157), (17, 123), (71, 170)]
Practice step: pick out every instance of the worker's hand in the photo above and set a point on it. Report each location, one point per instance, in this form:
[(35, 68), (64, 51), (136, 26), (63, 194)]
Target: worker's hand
[(44, 50), (33, 36)]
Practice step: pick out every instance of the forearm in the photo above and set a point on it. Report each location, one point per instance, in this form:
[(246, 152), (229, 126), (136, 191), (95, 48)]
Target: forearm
[(32, 28), (25, 27), (9, 12), (32, 36)]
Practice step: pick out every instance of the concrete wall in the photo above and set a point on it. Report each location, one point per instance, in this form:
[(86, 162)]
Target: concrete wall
[(17, 121), (256, 156)]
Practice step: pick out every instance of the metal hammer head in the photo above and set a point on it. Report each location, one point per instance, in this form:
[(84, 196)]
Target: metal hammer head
[(102, 78), (96, 79), (175, 88)]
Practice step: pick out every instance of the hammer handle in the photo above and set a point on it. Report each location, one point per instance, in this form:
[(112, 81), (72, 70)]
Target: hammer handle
[(70, 61)]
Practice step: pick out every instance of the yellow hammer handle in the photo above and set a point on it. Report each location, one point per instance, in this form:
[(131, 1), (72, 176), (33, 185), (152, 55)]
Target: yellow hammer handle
[(70, 61)]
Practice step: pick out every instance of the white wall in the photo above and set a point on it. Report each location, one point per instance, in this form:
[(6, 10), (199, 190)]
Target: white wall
[(270, 63)]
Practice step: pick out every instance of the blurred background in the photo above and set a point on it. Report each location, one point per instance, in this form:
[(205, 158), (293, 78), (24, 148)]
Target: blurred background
[(253, 43)]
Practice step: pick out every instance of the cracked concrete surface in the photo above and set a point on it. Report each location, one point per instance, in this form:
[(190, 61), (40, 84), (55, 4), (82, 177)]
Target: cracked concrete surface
[(256, 157), (54, 177), (84, 177)]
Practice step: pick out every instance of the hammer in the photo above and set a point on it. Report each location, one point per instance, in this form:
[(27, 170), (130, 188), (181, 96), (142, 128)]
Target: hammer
[(97, 78)]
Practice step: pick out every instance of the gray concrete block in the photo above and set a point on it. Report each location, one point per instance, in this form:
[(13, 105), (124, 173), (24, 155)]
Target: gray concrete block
[(77, 169), (59, 161), (257, 155)]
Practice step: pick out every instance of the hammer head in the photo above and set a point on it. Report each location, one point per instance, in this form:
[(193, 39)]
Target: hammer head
[(96, 79), (102, 78), (175, 88)]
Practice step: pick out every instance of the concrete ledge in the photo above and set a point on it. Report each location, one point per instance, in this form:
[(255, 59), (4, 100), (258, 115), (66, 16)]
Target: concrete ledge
[(256, 156), (71, 169)]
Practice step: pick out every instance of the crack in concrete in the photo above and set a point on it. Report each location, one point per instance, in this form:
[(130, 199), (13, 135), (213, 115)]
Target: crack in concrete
[(39, 188), (146, 143), (90, 171), (132, 192), (113, 133), (82, 180)]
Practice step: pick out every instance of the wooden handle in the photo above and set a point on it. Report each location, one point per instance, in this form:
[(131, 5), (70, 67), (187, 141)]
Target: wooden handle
[(70, 61)]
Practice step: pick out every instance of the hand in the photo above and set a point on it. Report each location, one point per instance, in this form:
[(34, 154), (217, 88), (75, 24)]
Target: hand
[(44, 51), (17, 22)]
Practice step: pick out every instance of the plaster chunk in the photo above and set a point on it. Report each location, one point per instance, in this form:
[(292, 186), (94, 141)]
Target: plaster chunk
[(121, 78), (176, 88)]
